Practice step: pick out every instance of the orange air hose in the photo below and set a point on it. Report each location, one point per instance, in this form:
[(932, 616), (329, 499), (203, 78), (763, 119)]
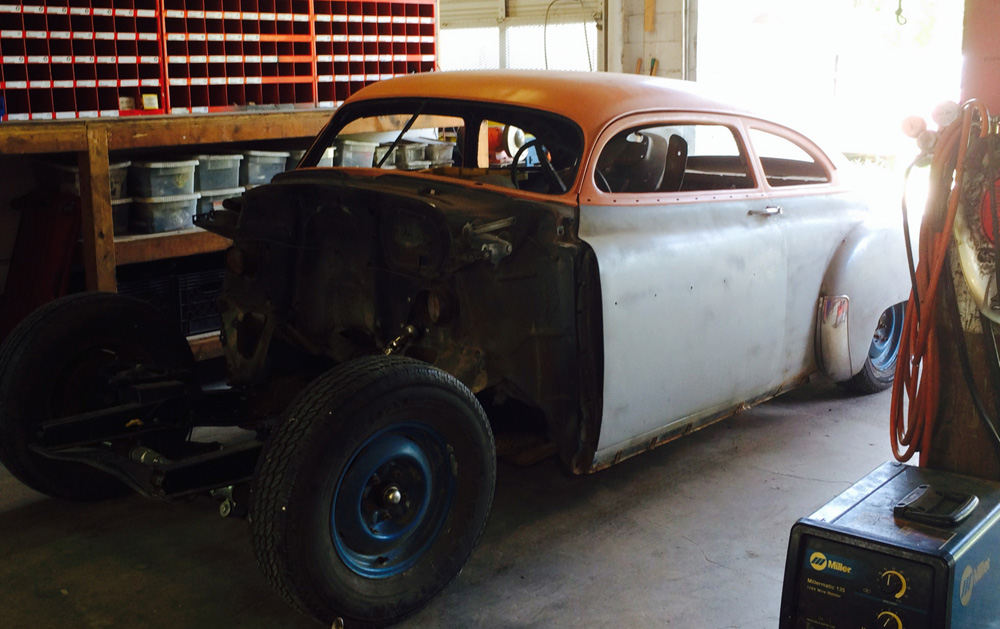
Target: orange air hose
[(916, 388)]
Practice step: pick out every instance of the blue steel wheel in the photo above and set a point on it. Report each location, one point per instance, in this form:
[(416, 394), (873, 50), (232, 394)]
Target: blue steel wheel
[(371, 494), (879, 369), (392, 500), (884, 350)]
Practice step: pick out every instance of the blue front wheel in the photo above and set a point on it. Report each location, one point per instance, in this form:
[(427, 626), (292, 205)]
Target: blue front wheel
[(392, 500), (371, 494)]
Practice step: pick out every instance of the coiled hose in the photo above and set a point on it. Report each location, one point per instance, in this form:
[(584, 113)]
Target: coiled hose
[(916, 389)]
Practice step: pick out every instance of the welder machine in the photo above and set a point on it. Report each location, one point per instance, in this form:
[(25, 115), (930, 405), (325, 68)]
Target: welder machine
[(904, 548)]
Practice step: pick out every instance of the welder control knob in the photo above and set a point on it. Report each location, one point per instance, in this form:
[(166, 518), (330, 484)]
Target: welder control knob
[(893, 583), (889, 620)]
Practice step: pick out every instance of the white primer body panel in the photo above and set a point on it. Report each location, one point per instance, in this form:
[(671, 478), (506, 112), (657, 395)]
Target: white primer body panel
[(707, 308), (693, 305)]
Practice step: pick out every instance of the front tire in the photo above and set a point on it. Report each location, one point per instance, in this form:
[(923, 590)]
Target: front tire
[(58, 362), (879, 369), (371, 495)]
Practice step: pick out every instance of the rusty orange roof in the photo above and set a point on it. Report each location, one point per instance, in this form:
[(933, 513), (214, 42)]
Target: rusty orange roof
[(592, 99)]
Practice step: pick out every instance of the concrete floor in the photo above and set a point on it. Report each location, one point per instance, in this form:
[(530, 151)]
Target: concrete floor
[(690, 535)]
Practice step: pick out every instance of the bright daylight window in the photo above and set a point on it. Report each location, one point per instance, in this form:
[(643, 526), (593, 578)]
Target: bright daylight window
[(571, 46), (469, 48), (845, 68), (530, 35)]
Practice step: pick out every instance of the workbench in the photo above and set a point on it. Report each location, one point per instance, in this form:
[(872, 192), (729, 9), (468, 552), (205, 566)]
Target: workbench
[(93, 139)]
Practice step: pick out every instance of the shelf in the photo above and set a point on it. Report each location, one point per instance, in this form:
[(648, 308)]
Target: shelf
[(92, 80), (89, 11), (149, 247), (70, 62), (92, 140), (43, 137), (156, 131)]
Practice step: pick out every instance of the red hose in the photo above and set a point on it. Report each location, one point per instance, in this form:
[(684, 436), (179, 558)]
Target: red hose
[(916, 389)]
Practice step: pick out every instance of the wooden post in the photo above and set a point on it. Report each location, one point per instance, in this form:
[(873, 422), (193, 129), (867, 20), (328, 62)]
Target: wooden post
[(961, 442), (95, 204), (981, 52)]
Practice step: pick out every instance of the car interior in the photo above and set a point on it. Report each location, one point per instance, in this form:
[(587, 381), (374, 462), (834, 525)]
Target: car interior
[(657, 159)]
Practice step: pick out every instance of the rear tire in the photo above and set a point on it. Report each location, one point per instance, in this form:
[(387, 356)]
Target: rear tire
[(879, 369), (57, 363), (370, 496)]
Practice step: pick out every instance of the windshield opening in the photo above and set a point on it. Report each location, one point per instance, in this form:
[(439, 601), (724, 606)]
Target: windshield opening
[(487, 143)]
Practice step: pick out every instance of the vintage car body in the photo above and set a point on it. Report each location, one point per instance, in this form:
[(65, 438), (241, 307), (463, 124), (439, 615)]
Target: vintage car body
[(626, 318), (581, 264)]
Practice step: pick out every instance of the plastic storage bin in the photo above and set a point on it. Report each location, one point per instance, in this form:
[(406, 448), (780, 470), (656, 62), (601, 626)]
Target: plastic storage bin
[(419, 164), (354, 153), (119, 214), (410, 155), (217, 172), (68, 178), (162, 214), (212, 199), (439, 153), (328, 157), (152, 180), (261, 166), (380, 152), (294, 157)]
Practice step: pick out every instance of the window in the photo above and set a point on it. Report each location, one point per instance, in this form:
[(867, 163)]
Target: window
[(673, 158), (469, 48), (785, 163), (521, 35), (555, 46), (499, 145)]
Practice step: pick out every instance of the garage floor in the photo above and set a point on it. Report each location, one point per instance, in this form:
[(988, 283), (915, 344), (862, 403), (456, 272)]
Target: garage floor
[(690, 535)]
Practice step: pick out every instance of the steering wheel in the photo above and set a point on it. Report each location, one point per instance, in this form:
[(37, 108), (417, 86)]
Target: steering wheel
[(550, 173)]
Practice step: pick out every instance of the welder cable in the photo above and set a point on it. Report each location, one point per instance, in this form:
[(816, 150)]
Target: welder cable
[(916, 369), (917, 377), (911, 265)]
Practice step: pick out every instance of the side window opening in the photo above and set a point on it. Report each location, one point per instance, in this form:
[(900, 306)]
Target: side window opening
[(673, 158), (784, 162)]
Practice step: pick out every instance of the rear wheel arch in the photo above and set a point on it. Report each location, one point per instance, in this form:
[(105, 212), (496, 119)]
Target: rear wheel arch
[(869, 269)]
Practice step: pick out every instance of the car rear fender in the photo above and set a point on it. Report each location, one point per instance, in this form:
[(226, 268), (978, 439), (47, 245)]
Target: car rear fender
[(867, 274)]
